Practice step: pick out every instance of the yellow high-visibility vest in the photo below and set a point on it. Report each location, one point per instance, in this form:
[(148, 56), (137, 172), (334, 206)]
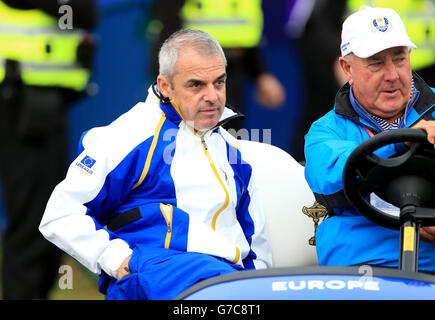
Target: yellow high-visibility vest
[(46, 54), (234, 23), (419, 19)]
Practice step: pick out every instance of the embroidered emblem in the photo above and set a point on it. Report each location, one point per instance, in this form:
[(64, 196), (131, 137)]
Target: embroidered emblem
[(88, 161), (381, 24), (86, 164)]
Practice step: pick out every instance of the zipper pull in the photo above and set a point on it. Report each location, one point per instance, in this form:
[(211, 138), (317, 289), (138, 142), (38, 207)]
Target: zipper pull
[(203, 143), (225, 175)]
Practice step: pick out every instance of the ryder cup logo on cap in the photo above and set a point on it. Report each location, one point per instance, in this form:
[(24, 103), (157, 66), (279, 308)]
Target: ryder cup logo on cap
[(372, 30), (381, 24)]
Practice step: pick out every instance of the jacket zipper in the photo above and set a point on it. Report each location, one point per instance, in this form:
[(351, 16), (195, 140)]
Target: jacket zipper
[(168, 219), (227, 196)]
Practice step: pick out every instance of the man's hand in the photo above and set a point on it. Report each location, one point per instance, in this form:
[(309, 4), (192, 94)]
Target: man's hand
[(428, 234), (124, 269), (270, 92), (429, 127)]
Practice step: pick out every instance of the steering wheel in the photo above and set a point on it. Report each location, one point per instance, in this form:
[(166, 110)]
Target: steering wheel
[(404, 180)]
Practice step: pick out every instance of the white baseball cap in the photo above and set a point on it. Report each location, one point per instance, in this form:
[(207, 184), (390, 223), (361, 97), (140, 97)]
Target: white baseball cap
[(371, 30)]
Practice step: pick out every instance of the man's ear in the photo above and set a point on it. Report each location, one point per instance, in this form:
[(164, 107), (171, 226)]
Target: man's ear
[(164, 86), (347, 69)]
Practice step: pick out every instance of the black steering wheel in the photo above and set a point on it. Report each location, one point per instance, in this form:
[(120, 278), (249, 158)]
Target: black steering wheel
[(404, 180)]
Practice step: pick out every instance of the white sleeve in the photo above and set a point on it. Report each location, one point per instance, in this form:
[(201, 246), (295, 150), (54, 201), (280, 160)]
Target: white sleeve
[(66, 223)]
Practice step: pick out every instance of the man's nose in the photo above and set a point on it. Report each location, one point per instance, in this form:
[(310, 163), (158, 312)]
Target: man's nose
[(210, 94), (390, 73)]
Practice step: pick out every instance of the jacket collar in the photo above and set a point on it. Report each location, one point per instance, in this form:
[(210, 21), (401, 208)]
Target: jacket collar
[(424, 102), (427, 96), (173, 114)]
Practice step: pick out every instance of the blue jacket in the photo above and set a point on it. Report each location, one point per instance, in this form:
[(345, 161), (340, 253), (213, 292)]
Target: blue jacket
[(148, 179), (346, 237)]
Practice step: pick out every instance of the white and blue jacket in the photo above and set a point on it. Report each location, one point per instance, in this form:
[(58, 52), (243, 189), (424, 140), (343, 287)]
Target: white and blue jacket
[(346, 237), (149, 179)]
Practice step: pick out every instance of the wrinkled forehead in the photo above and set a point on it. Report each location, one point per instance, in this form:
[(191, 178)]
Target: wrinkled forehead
[(191, 61)]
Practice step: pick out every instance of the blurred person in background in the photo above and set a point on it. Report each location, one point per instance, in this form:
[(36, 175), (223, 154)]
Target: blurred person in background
[(45, 62), (238, 26), (315, 26)]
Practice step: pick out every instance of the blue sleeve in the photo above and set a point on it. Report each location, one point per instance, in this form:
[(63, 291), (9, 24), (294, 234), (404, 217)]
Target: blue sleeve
[(326, 150)]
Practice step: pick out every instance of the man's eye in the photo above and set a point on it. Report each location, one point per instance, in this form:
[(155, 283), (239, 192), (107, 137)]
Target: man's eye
[(375, 66), (194, 84)]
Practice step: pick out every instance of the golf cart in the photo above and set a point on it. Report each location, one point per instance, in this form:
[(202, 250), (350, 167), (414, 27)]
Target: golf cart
[(404, 181)]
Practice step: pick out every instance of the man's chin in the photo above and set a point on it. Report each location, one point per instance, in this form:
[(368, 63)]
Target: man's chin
[(391, 107), (207, 123), (203, 128)]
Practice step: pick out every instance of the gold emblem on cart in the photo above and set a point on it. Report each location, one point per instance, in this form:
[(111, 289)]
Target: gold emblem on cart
[(316, 212)]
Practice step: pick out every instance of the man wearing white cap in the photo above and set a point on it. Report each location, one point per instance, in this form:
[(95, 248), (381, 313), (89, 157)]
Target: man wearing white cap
[(382, 93)]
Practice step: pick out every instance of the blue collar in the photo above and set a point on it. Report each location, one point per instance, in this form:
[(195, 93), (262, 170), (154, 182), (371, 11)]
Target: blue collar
[(171, 112)]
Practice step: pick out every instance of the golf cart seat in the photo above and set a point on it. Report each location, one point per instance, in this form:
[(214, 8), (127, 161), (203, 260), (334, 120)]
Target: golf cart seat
[(289, 204)]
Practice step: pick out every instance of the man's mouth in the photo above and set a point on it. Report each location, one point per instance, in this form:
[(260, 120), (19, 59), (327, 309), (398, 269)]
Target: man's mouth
[(390, 92), (209, 110)]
